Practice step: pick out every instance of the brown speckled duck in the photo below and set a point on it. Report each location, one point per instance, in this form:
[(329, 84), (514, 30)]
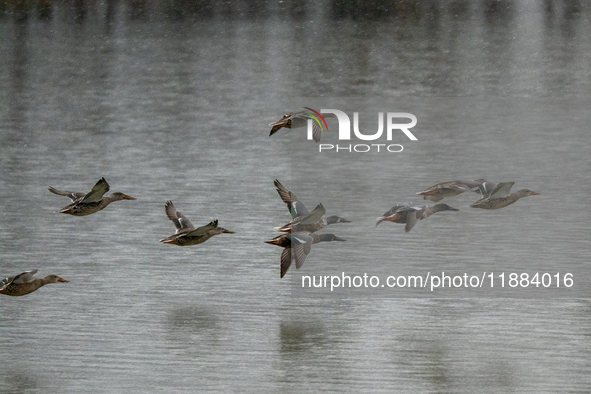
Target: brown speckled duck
[(186, 234), (26, 283), (88, 203), (496, 196)]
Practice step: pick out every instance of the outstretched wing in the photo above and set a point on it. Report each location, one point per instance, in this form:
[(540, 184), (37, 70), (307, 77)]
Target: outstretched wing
[(502, 190), (71, 195), (285, 261), (97, 191), (414, 214), (316, 132), (486, 187), (411, 219), (301, 244), (180, 221), (314, 216), (25, 277), (316, 128), (299, 252), (295, 206)]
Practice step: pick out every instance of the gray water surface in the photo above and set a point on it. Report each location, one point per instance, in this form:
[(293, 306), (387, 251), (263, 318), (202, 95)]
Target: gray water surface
[(168, 106)]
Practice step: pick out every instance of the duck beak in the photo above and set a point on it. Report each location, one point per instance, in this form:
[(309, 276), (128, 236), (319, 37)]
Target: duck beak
[(272, 242), (172, 241), (338, 239), (229, 232), (452, 209), (344, 221), (62, 280), (126, 197), (534, 194)]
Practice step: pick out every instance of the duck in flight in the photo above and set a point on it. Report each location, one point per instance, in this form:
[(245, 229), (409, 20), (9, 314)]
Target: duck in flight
[(299, 119), (302, 220), (496, 196), (409, 214), (88, 203), (186, 234), (26, 283)]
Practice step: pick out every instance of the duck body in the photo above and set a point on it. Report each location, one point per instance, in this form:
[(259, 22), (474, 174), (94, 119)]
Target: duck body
[(296, 246), (25, 283), (186, 234), (410, 214), (443, 190), (496, 196), (84, 204)]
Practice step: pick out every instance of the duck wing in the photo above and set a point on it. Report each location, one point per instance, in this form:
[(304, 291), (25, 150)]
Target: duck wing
[(25, 277), (314, 216), (97, 192), (316, 132), (301, 244), (300, 255), (413, 216), (74, 196), (461, 185), (179, 220), (486, 187), (285, 261), (316, 127), (295, 206), (502, 190)]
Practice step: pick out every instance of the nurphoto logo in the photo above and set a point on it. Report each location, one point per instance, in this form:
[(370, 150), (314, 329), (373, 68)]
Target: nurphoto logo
[(316, 121)]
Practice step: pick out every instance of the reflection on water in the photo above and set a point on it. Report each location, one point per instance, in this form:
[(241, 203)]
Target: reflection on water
[(299, 336), (171, 101), (193, 330), (21, 382)]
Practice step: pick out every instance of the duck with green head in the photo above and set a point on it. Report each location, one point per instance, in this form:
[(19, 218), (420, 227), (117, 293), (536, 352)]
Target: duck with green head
[(297, 246)]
